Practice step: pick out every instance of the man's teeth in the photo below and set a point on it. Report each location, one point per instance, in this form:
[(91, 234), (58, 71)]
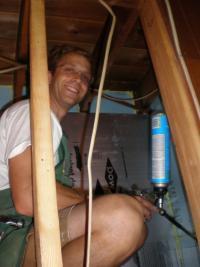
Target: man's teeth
[(72, 89)]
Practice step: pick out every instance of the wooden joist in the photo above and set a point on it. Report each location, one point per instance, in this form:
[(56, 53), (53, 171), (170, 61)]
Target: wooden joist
[(179, 105)]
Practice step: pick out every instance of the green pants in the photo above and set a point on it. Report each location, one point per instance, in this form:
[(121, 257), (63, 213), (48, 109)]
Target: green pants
[(13, 239)]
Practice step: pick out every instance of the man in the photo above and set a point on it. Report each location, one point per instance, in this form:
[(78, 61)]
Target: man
[(118, 228)]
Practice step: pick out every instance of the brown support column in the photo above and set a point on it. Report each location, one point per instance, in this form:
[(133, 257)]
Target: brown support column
[(48, 246), (179, 105)]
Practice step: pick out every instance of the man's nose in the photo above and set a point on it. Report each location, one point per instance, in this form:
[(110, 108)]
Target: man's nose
[(78, 75)]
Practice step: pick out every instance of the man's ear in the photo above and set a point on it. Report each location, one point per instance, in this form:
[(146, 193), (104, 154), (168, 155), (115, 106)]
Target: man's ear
[(49, 76)]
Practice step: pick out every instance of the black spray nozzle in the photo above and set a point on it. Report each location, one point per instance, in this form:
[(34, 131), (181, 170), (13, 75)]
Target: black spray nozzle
[(159, 194)]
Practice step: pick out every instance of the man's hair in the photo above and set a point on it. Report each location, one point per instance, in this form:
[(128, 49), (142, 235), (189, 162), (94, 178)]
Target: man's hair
[(57, 52)]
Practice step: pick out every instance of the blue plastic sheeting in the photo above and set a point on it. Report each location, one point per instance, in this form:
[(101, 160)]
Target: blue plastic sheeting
[(108, 106), (6, 95)]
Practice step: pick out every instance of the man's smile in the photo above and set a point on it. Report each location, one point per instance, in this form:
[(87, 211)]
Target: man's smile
[(72, 90)]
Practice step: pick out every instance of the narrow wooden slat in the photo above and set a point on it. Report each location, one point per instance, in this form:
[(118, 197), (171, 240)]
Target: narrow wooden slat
[(22, 48), (182, 115), (48, 246)]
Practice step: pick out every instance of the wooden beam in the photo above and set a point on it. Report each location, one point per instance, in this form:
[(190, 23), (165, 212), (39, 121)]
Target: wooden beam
[(181, 112), (48, 247), (123, 28), (122, 31), (126, 19), (22, 49)]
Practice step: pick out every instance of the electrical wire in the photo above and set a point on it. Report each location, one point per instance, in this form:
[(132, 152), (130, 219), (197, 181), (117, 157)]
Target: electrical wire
[(181, 58), (124, 103), (12, 69), (17, 65), (96, 119), (129, 98), (10, 61)]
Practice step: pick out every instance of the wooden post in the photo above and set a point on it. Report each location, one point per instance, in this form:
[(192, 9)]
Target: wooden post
[(48, 246), (179, 105)]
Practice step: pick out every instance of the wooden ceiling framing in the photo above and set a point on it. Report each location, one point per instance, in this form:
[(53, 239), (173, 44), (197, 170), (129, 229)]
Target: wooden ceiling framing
[(85, 23), (82, 23)]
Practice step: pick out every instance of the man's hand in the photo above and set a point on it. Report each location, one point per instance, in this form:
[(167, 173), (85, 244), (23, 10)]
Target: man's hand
[(148, 207)]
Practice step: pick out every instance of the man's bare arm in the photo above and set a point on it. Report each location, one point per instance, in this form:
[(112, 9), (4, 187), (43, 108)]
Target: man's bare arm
[(20, 173)]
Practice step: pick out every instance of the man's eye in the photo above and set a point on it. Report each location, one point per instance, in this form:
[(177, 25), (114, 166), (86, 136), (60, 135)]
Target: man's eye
[(85, 79), (68, 70)]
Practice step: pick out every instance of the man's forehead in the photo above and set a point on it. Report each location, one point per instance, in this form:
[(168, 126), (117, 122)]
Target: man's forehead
[(76, 62), (74, 59)]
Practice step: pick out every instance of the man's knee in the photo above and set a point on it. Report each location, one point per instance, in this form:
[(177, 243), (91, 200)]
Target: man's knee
[(124, 219), (120, 206)]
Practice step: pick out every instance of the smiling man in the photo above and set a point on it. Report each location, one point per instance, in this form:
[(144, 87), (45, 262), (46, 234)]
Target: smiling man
[(118, 228)]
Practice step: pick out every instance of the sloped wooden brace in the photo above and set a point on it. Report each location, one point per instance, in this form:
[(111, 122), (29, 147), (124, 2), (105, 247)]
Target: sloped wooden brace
[(48, 246), (123, 28), (179, 106)]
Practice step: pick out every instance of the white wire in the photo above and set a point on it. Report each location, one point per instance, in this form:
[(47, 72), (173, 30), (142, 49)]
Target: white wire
[(12, 69), (10, 61), (182, 61), (96, 119)]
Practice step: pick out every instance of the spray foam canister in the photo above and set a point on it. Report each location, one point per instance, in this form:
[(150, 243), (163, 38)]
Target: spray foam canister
[(160, 153)]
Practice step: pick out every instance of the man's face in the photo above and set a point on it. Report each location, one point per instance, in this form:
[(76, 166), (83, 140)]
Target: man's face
[(70, 81)]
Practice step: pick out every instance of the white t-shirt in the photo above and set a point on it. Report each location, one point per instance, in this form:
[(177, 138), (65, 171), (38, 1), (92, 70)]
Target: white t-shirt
[(15, 136)]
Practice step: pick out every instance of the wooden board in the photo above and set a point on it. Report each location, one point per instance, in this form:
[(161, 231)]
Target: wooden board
[(182, 115)]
